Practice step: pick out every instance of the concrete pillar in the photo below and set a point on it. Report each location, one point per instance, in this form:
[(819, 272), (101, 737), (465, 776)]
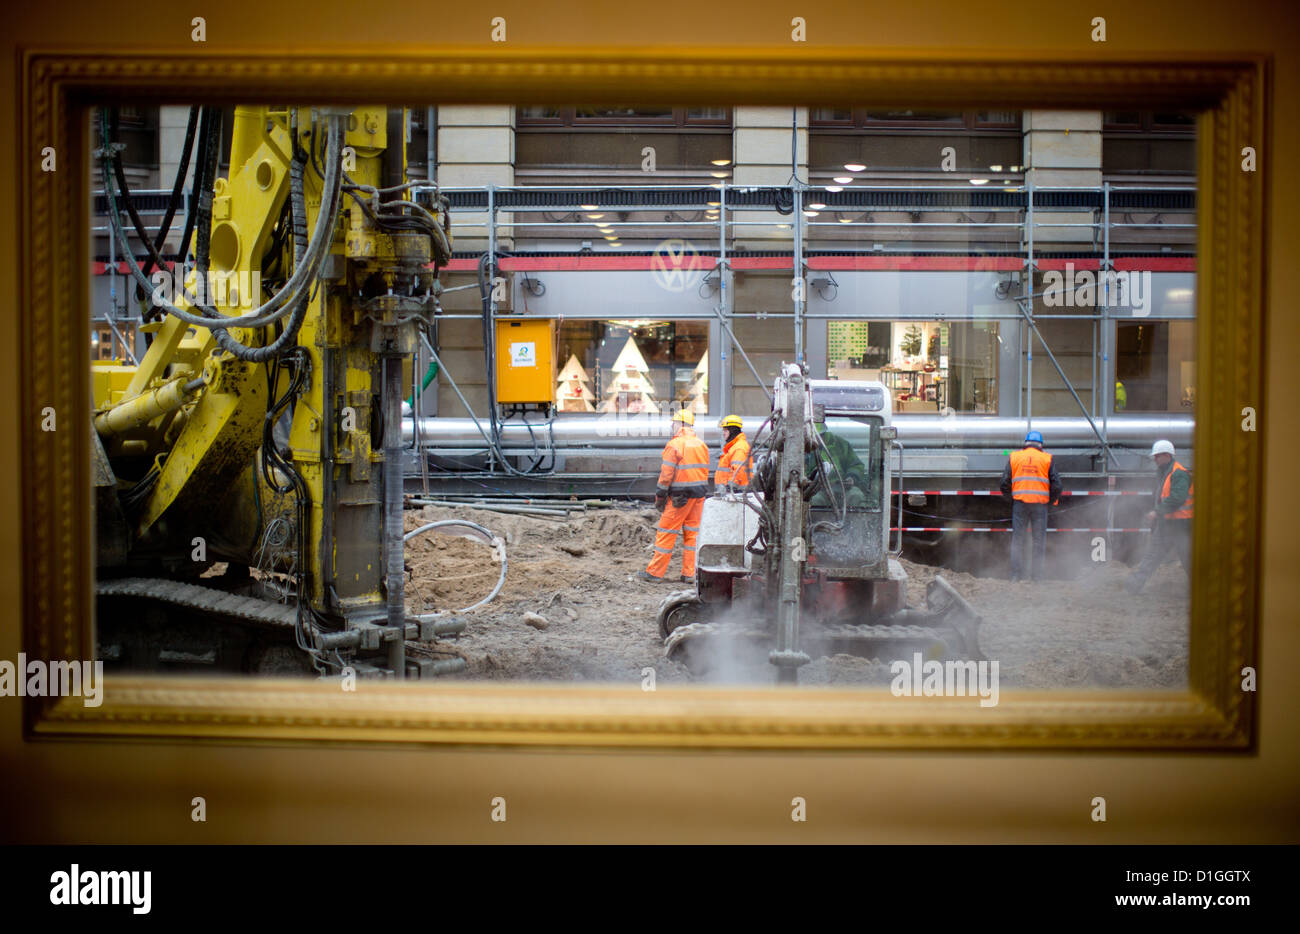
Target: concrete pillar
[(762, 154), (1062, 148), (476, 148)]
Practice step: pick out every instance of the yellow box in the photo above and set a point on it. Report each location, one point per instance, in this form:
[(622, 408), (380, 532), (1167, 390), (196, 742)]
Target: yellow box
[(110, 380), (526, 361)]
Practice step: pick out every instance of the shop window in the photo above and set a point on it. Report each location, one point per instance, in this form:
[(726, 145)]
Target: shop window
[(633, 366), (1155, 367), (928, 365), (104, 346)]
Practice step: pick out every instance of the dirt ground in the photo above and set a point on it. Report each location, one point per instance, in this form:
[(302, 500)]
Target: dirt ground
[(598, 621)]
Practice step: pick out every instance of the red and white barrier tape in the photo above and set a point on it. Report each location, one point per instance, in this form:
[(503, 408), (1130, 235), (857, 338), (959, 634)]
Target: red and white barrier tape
[(940, 528), (999, 493)]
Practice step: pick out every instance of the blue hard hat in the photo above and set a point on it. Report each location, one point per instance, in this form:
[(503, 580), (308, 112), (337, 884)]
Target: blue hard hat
[(1034, 436)]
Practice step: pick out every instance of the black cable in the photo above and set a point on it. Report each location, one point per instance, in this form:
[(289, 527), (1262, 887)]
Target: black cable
[(200, 179), (178, 188), (149, 312), (204, 222), (298, 362), (281, 304), (127, 201)]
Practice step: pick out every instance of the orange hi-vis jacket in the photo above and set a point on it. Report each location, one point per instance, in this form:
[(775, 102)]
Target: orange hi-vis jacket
[(685, 467), (1185, 510), (734, 465), (1030, 470)]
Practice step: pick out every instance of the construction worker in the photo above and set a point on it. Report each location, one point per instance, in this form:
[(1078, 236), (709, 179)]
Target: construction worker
[(1172, 517), (838, 460), (1121, 397), (1030, 481), (734, 465), (683, 485)]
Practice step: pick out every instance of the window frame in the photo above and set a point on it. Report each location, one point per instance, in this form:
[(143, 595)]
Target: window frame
[(967, 121), (1146, 126), (1115, 325), (679, 120)]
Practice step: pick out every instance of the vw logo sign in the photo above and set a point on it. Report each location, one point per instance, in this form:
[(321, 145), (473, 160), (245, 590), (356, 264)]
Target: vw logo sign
[(677, 265)]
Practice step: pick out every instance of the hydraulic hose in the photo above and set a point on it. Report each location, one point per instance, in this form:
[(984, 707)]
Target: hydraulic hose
[(491, 539), (288, 337), (178, 188), (282, 302), (200, 181), (173, 203), (429, 374)]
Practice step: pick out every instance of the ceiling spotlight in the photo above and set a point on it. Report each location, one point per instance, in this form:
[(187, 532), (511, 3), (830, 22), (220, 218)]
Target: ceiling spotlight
[(782, 226), (589, 207), (846, 220), (855, 166), (833, 188), (616, 244), (810, 213), (719, 174), (996, 168), (817, 206), (843, 180), (979, 181), (722, 162), (714, 204), (610, 237), (595, 217)]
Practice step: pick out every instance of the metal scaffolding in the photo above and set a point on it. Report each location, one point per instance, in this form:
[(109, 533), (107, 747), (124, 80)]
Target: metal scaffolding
[(789, 221), (729, 219)]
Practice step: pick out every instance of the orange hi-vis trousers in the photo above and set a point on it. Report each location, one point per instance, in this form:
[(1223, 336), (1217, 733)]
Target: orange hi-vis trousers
[(677, 518)]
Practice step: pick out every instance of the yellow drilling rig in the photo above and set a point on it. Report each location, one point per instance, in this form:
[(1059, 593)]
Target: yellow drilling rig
[(261, 429)]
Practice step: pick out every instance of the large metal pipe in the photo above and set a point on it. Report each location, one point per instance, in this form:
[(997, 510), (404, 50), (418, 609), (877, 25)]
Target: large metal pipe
[(394, 551), (574, 433)]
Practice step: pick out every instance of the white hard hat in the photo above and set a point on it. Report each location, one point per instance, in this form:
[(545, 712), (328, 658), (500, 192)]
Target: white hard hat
[(1162, 447)]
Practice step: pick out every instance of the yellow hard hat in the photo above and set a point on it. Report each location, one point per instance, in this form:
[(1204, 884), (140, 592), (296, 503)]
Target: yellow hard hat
[(731, 421), (685, 416)]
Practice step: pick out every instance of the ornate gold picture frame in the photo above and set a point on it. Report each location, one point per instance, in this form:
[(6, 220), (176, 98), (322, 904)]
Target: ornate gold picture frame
[(57, 525)]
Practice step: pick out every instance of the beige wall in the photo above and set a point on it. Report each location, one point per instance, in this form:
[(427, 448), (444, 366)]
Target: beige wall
[(1071, 344), (476, 148), (140, 791), (1062, 148)]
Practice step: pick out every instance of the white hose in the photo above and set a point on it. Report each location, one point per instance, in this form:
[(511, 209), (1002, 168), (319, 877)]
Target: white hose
[(488, 539)]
